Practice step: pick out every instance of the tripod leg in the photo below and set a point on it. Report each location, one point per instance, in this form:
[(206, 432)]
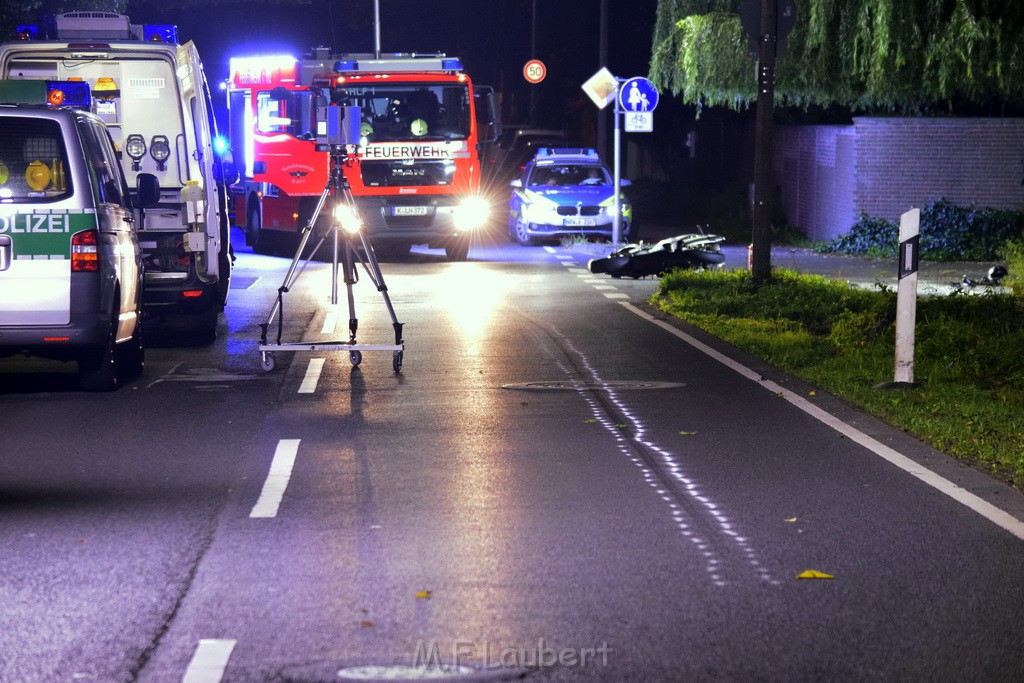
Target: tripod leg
[(373, 269), (350, 279), (290, 275)]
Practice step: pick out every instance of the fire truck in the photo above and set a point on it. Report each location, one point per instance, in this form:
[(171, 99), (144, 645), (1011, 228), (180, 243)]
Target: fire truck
[(415, 175), (153, 97)]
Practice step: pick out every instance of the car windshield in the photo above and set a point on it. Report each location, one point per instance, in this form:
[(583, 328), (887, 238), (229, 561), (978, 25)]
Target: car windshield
[(409, 111), (569, 175)]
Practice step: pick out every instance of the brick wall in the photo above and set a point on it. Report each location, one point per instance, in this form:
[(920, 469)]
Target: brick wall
[(828, 175)]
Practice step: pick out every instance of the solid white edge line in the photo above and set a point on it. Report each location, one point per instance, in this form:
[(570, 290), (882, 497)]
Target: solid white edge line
[(312, 377), (979, 505), (209, 661), (277, 480)]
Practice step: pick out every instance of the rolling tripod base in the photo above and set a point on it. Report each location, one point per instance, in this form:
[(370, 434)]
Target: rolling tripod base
[(355, 351), (348, 255)]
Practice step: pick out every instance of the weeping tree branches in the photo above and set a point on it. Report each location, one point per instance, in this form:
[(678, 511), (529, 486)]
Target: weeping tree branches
[(899, 56)]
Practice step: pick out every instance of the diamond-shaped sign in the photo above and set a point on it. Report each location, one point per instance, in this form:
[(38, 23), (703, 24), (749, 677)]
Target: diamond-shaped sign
[(601, 88)]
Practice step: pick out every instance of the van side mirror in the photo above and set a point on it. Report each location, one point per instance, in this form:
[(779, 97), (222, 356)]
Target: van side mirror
[(147, 189), (224, 172)]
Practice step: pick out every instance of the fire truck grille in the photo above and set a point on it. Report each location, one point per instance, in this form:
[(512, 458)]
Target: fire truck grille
[(401, 174)]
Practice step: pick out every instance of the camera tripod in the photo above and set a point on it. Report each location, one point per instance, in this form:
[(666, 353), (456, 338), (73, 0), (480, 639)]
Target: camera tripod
[(346, 252)]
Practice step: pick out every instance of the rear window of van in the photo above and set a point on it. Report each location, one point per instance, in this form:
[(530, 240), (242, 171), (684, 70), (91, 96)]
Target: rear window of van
[(33, 161)]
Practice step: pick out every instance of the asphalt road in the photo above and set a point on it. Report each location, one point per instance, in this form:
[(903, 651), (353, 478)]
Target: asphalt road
[(558, 485)]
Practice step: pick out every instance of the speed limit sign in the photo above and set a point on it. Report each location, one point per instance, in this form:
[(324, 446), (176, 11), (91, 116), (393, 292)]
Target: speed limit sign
[(534, 71)]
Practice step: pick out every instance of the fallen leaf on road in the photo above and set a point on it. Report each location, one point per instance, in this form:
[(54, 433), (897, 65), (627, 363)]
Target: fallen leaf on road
[(814, 574), (423, 595), (687, 433)]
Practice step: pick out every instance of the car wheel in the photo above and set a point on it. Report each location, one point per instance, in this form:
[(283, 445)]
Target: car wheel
[(522, 236), (204, 327), (258, 238), (132, 354), (98, 367), (457, 249)]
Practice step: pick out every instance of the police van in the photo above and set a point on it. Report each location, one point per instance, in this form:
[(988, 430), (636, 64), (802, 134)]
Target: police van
[(153, 96), (71, 274)]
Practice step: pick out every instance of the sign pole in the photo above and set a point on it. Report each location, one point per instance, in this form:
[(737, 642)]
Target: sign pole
[(761, 263), (617, 220)]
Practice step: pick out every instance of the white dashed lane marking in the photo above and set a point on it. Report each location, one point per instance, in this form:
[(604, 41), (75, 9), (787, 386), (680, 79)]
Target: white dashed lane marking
[(277, 480), (209, 661), (313, 371)]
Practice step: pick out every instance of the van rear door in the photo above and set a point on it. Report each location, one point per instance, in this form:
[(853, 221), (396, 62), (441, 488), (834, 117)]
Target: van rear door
[(196, 98)]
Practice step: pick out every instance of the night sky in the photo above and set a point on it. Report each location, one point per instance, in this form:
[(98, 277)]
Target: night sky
[(493, 38)]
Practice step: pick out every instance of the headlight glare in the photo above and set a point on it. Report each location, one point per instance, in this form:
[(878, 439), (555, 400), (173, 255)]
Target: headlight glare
[(348, 218), (472, 213)]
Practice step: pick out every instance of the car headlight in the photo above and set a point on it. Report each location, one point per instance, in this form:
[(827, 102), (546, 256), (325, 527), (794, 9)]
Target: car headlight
[(609, 207), (472, 213), (539, 210)]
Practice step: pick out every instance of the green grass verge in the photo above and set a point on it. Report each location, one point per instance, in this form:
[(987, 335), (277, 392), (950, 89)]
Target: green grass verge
[(969, 353)]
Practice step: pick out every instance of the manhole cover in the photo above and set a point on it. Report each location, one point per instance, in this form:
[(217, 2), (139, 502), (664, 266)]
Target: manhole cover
[(332, 672), (402, 672), (589, 385)]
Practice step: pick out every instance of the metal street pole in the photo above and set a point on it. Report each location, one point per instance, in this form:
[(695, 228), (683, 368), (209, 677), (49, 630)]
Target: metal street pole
[(376, 29), (602, 58), (617, 220), (761, 264), (533, 55)]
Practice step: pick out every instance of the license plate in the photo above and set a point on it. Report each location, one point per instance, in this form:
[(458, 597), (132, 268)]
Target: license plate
[(409, 210), (580, 222)]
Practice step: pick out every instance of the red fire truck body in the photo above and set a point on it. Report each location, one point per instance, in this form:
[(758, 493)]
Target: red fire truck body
[(415, 174)]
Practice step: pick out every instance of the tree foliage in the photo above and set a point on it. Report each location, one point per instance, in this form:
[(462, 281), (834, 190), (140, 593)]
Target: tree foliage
[(900, 56)]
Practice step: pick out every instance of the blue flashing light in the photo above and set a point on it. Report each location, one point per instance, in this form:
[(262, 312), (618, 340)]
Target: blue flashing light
[(68, 94), (567, 151), (160, 33), (27, 32), (451, 64), (221, 146), (346, 65)]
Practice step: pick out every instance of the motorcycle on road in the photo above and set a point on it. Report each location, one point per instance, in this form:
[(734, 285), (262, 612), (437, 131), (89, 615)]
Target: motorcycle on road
[(693, 250)]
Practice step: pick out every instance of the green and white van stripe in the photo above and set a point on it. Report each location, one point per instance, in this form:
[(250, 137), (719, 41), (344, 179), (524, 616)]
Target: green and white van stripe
[(45, 233)]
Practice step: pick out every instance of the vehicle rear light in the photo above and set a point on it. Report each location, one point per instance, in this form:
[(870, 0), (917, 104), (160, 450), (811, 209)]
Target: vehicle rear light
[(192, 293), (85, 253), (56, 339)]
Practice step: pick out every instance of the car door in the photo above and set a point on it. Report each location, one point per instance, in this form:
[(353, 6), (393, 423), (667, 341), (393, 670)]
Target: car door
[(116, 221)]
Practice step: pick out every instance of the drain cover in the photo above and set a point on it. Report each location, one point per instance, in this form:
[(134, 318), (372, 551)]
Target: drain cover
[(402, 672), (589, 385)]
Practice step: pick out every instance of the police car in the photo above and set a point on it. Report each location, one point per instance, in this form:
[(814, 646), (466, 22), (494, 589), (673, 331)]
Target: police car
[(70, 267), (566, 192)]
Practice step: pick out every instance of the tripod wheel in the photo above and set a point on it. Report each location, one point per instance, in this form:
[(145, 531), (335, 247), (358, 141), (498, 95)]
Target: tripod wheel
[(267, 361), (356, 357), (396, 362)]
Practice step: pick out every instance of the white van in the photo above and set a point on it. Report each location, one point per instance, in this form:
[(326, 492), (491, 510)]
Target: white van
[(153, 96), (70, 267)]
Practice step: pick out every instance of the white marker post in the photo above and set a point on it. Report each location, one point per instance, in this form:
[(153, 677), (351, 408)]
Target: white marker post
[(906, 298)]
